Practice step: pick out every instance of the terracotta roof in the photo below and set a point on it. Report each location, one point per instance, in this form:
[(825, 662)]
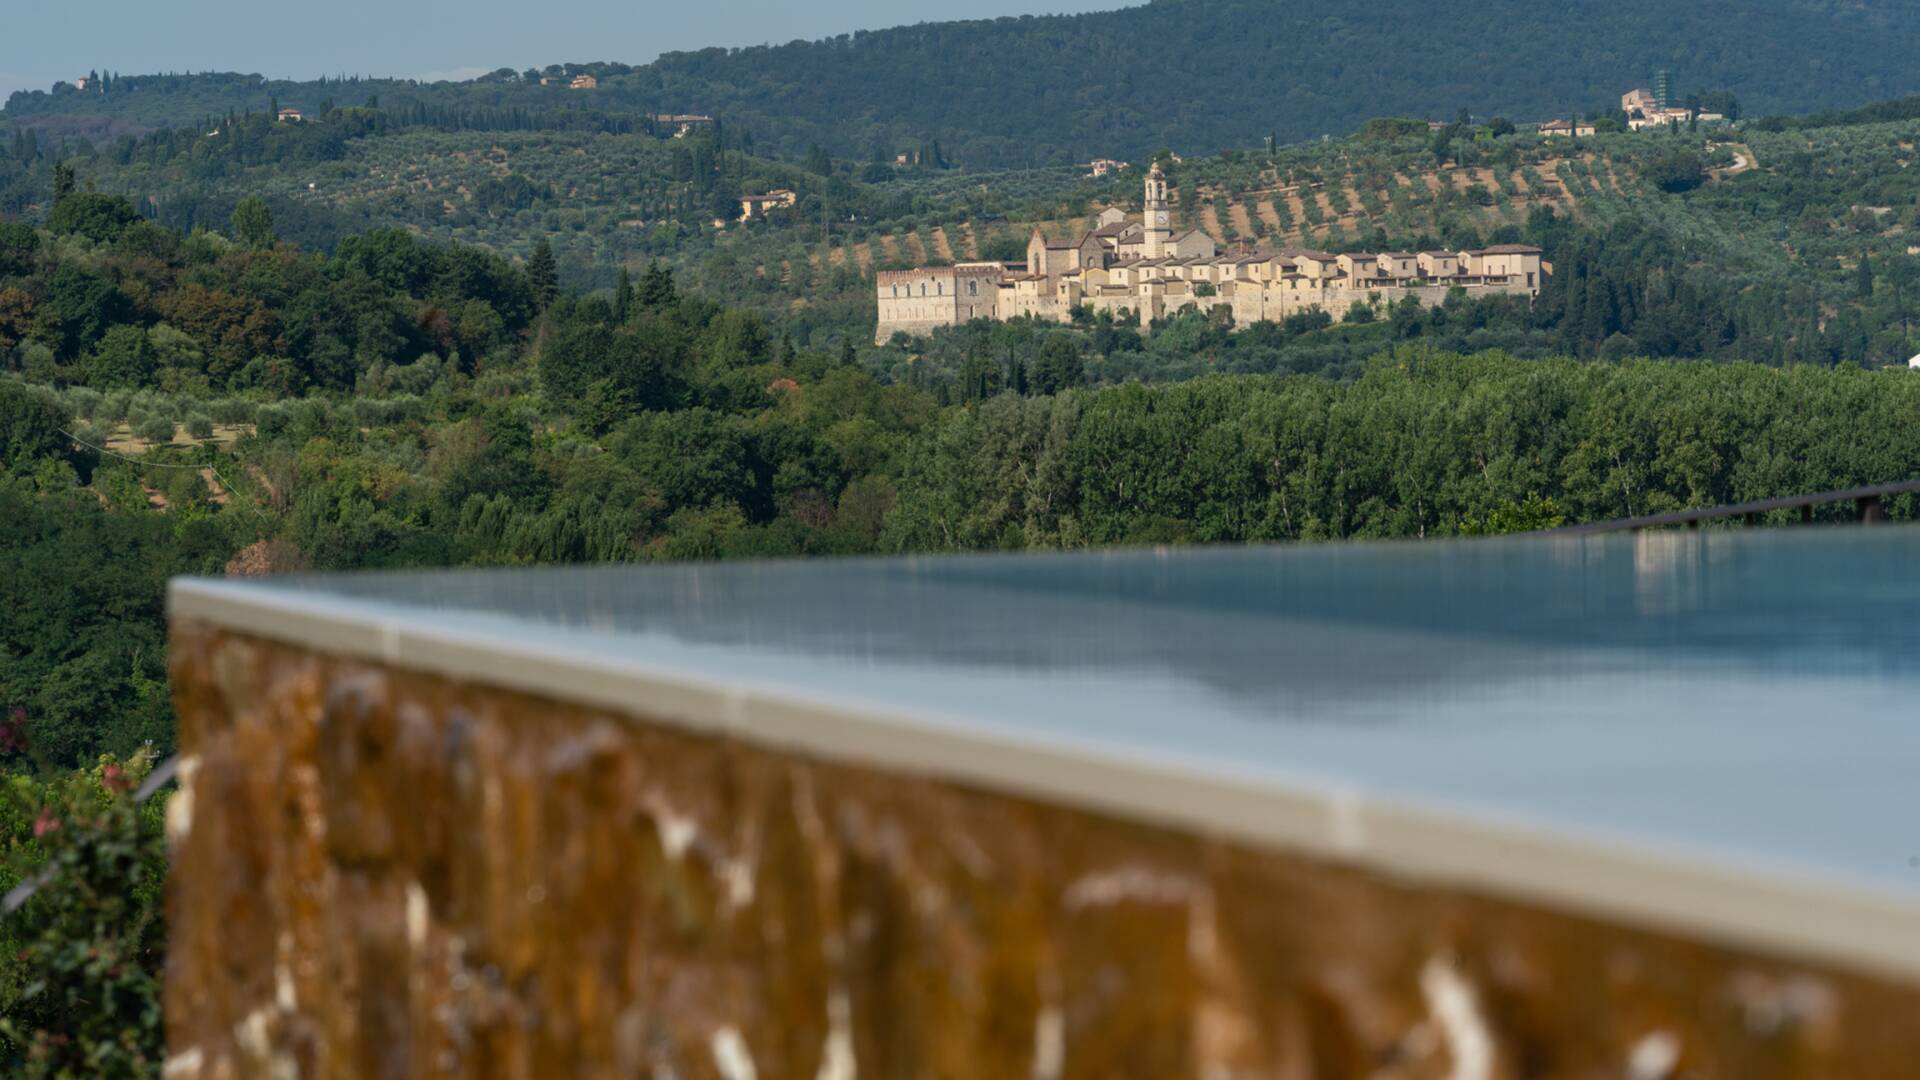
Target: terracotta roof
[(1396, 255), (1114, 229)]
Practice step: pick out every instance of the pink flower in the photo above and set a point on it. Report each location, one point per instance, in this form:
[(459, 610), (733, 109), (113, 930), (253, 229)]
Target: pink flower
[(114, 779), (45, 823)]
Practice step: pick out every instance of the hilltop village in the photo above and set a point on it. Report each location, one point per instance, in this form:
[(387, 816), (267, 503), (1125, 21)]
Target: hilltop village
[(1144, 270)]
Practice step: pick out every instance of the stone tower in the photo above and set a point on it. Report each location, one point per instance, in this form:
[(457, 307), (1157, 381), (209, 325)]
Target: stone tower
[(1158, 221)]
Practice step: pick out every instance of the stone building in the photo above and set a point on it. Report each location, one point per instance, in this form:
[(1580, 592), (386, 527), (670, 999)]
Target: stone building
[(917, 301), (758, 205), (1144, 270), (1644, 109), (1567, 128)]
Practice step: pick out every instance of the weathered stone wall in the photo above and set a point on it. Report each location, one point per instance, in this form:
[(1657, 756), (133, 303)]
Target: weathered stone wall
[(915, 302), (1275, 300), (388, 874)]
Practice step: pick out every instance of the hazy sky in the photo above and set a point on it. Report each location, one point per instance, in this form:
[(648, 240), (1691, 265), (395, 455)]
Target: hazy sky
[(45, 40)]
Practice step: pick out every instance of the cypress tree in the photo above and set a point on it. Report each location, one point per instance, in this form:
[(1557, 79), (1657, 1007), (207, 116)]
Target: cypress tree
[(623, 297), (543, 275), (656, 286)]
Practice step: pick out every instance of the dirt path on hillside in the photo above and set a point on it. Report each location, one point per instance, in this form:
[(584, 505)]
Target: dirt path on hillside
[(1613, 173), (1743, 159), (1600, 173), (1241, 221), (1268, 215), (916, 249), (1298, 208), (1210, 222), (941, 247)]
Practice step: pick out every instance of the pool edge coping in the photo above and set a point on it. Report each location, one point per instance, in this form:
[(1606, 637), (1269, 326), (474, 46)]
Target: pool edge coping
[(1765, 909)]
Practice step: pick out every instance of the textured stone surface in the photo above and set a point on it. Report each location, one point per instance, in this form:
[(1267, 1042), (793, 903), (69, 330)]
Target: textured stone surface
[(383, 873)]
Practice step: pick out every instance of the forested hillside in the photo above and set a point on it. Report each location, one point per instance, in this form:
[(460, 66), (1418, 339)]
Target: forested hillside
[(1777, 242), (1194, 75)]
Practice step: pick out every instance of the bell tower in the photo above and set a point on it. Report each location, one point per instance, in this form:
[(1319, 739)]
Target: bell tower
[(1158, 222)]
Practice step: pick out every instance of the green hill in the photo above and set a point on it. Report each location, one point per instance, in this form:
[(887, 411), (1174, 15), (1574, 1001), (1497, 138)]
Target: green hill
[(1779, 242), (1194, 75)]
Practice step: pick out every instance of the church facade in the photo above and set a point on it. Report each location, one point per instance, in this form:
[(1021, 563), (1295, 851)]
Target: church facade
[(1144, 270)]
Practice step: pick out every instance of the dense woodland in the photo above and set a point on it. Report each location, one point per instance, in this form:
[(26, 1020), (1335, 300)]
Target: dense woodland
[(1125, 83)]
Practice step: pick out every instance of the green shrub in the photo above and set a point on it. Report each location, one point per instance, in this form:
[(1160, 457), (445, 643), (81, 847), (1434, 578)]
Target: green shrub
[(232, 411), (156, 429), (81, 962), (30, 423)]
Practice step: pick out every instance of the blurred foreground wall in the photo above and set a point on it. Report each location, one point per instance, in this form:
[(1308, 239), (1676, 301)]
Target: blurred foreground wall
[(385, 873)]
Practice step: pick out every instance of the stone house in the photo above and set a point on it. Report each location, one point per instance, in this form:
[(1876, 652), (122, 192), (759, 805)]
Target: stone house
[(1566, 128)]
